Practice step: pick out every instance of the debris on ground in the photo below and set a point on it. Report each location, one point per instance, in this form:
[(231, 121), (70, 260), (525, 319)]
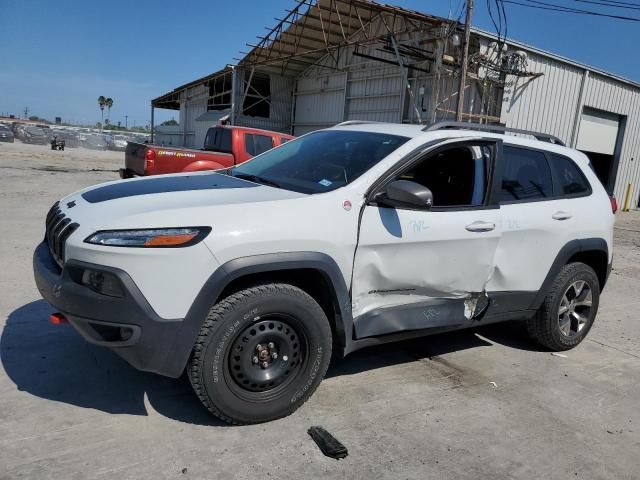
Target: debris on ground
[(493, 384), (561, 355), (328, 444)]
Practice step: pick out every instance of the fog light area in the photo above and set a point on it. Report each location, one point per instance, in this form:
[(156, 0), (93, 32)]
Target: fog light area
[(102, 282)]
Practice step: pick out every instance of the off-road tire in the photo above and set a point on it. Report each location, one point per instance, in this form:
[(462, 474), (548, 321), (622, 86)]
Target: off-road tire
[(222, 334), (544, 328)]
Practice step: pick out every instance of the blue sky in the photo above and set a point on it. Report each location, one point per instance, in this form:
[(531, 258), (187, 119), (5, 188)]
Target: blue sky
[(57, 57)]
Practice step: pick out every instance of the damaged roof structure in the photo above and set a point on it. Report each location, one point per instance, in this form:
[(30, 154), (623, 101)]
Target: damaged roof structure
[(328, 61)]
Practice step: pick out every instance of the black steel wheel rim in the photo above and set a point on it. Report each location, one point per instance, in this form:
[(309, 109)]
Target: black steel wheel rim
[(266, 355)]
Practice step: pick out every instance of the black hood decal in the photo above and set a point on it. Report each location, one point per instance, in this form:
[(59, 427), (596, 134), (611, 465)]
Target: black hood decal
[(163, 184)]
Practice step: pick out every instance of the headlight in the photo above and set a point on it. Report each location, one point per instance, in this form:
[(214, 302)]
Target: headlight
[(156, 237)]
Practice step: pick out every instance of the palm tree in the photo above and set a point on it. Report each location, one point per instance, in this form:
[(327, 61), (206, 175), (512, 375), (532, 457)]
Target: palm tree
[(109, 103), (102, 102)]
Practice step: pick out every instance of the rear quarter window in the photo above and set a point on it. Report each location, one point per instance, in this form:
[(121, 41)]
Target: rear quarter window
[(526, 175), (218, 139), (568, 177), (257, 144)]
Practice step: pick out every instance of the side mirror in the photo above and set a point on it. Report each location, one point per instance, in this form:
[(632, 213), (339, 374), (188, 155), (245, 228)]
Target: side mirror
[(407, 194)]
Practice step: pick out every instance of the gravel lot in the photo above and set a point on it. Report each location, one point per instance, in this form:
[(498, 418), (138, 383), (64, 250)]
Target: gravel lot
[(419, 409)]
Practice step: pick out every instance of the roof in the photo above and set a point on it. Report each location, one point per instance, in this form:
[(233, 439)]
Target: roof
[(420, 134), (401, 129), (170, 99), (308, 32), (315, 28)]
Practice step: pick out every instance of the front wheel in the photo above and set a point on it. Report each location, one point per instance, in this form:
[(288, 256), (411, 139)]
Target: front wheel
[(568, 310), (260, 354)]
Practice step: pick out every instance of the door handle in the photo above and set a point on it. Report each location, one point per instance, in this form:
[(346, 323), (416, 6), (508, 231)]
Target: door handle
[(560, 215), (480, 226)]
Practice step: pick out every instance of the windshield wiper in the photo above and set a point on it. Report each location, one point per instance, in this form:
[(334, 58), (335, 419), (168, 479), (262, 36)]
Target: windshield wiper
[(257, 179)]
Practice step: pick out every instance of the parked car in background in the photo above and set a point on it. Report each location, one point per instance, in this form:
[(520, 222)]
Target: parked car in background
[(71, 139), (224, 146), (34, 135), (119, 143), (95, 142), (6, 135)]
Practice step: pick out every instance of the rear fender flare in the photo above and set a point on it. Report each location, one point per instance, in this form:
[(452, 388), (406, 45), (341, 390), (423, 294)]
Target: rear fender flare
[(202, 165), (565, 253)]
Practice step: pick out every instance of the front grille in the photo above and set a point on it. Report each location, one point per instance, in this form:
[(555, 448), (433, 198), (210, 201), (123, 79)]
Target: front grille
[(57, 230)]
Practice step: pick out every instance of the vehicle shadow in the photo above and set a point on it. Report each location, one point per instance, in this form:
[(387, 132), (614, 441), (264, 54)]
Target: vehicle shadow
[(510, 334), (56, 363)]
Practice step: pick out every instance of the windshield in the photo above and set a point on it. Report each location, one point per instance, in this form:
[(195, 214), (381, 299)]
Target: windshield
[(321, 161)]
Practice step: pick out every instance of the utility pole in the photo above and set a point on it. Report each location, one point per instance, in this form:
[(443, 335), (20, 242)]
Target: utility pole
[(26, 113), (126, 117), (465, 60)]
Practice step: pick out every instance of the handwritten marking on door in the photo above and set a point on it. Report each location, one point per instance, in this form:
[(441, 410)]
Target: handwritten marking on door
[(418, 226)]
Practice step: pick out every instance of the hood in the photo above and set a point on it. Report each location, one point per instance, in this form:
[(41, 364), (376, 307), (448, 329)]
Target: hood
[(167, 200)]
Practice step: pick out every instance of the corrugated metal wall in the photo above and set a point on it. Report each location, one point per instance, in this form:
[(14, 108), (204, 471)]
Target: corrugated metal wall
[(551, 104), (319, 102), (372, 90), (193, 103), (613, 96)]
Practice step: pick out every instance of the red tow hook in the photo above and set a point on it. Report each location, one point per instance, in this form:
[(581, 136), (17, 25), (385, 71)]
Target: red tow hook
[(57, 319)]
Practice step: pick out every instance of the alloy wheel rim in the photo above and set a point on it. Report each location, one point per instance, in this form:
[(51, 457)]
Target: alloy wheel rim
[(575, 308)]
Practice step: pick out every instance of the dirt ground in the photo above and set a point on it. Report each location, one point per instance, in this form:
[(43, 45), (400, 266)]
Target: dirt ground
[(484, 403)]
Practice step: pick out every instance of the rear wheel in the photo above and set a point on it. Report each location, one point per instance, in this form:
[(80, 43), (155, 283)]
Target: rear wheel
[(260, 354), (568, 310)]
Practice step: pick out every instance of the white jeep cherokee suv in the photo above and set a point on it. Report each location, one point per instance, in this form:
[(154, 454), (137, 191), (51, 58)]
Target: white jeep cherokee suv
[(357, 235)]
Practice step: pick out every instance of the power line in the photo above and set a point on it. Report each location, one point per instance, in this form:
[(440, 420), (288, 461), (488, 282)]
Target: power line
[(613, 3), (561, 8), (606, 4)]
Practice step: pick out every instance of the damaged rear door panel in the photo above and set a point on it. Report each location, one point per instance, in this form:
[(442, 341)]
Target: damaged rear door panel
[(421, 269)]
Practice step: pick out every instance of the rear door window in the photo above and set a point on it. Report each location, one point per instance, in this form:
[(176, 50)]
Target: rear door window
[(218, 140), (526, 175), (256, 144), (569, 179), (284, 140)]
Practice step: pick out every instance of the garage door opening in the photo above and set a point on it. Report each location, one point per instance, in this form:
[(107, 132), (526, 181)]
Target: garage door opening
[(601, 164), (600, 138)]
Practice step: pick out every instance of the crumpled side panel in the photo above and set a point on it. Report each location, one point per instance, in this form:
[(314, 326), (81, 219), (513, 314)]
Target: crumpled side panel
[(406, 257)]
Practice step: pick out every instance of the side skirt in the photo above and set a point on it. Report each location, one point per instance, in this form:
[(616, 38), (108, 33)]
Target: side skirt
[(392, 324)]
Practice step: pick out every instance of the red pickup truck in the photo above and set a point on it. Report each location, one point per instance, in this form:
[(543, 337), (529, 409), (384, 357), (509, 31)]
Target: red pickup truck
[(224, 147)]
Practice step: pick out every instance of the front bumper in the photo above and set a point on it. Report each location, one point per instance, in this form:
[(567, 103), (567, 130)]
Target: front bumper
[(128, 325)]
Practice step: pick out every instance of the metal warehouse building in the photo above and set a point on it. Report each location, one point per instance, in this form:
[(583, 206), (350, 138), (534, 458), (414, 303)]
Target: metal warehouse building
[(327, 61)]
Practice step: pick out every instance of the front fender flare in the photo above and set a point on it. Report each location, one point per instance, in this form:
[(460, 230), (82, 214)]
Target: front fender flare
[(243, 266)]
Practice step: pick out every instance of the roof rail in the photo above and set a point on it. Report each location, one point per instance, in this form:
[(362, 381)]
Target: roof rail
[(543, 137), (355, 122)]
